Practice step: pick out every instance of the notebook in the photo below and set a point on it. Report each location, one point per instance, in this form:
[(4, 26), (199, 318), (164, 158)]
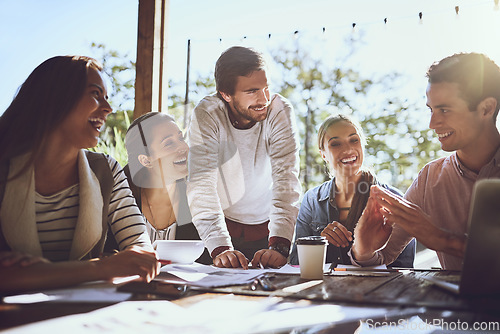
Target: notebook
[(481, 269)]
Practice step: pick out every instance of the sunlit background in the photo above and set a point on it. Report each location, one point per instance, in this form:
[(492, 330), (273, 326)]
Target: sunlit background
[(375, 39), (32, 31)]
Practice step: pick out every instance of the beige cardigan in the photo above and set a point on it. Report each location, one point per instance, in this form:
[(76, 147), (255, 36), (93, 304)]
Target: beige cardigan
[(17, 212)]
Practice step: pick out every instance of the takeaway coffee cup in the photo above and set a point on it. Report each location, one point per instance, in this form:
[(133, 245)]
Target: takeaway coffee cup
[(312, 254)]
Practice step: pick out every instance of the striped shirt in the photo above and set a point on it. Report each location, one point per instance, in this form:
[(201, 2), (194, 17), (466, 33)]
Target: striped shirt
[(56, 217), (57, 214)]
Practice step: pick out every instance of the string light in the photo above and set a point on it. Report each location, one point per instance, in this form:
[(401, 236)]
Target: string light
[(354, 24)]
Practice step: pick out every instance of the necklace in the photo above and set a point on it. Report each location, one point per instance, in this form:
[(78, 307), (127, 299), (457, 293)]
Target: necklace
[(159, 234)]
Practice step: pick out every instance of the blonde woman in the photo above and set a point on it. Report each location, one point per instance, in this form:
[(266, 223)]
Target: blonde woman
[(333, 208)]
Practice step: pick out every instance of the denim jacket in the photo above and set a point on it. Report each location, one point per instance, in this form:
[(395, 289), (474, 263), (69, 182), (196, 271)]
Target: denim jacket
[(318, 209)]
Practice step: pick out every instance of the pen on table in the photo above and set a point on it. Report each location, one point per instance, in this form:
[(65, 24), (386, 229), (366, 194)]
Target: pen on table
[(332, 266), (264, 282), (252, 266), (120, 280), (363, 269)]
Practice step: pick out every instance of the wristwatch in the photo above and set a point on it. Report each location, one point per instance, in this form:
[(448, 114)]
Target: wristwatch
[(281, 248)]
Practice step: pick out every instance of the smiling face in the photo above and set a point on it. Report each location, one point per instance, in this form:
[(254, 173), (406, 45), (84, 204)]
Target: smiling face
[(250, 101), (342, 149), (81, 128), (167, 151), (457, 127)]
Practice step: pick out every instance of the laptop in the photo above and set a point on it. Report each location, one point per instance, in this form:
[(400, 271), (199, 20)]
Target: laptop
[(481, 269)]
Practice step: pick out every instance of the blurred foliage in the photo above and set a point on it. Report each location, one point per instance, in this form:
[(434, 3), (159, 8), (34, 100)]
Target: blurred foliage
[(112, 142), (120, 72), (204, 85), (399, 144)]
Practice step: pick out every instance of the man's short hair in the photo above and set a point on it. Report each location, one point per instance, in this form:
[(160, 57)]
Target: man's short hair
[(234, 62), (477, 76)]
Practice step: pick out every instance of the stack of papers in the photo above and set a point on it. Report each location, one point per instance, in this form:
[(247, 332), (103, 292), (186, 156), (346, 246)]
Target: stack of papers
[(92, 292), (211, 277), (225, 314)]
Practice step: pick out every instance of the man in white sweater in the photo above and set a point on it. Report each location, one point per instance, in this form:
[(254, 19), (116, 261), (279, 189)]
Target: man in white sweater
[(243, 186)]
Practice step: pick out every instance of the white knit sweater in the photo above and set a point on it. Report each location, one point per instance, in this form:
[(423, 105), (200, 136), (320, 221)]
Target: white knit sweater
[(249, 176)]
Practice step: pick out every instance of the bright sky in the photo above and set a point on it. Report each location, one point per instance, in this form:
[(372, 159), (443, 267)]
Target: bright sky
[(33, 30)]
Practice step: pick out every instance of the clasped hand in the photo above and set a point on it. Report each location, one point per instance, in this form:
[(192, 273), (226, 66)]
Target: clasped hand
[(383, 210), (372, 230), (411, 218), (337, 234), (397, 210)]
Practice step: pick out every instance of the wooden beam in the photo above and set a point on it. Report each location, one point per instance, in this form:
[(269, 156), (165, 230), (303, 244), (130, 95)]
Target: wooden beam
[(151, 80)]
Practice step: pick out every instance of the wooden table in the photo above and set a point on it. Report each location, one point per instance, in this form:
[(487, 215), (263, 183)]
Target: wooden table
[(404, 293), (403, 289)]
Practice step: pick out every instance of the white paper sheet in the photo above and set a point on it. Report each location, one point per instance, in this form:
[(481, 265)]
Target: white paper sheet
[(93, 292), (210, 276), (225, 314)]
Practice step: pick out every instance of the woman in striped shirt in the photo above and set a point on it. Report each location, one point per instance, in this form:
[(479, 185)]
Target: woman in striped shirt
[(57, 199)]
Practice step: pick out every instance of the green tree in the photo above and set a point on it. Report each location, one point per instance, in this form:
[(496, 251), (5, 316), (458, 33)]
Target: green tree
[(181, 109), (399, 144), (120, 71)]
